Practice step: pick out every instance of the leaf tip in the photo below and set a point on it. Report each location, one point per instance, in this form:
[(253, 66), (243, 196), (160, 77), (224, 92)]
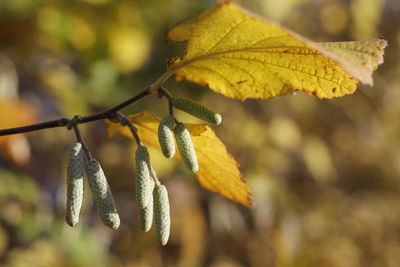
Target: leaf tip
[(383, 43), (251, 203)]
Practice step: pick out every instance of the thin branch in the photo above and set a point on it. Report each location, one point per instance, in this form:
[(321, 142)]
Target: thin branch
[(170, 108), (125, 122), (109, 113), (106, 114), (162, 92), (80, 140), (159, 83), (34, 127)]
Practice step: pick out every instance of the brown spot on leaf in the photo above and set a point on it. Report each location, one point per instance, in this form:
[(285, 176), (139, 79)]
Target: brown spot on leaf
[(334, 90), (172, 61), (240, 82)]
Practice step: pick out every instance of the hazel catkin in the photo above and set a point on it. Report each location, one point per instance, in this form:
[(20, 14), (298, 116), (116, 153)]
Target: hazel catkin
[(144, 183), (165, 136), (185, 147), (74, 184), (102, 194), (146, 215), (197, 110), (162, 213)]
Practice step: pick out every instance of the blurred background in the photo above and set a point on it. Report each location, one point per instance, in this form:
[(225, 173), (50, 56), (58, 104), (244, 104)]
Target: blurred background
[(324, 173)]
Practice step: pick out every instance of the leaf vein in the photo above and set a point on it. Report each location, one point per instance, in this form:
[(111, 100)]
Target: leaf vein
[(286, 67), (226, 34), (211, 70), (240, 69), (266, 38)]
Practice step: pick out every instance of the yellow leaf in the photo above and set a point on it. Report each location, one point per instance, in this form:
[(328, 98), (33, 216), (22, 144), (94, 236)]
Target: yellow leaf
[(243, 56), (218, 172)]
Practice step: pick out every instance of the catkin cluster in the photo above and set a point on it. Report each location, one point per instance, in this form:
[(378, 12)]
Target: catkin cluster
[(152, 205), (151, 195), (170, 127), (98, 185)]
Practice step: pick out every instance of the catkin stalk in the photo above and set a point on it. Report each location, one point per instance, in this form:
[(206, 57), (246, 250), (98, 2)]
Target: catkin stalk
[(185, 147), (102, 194), (144, 182), (197, 110), (165, 136), (74, 184), (162, 213)]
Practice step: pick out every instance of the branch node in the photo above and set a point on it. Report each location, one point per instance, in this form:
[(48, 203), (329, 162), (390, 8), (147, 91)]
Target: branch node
[(164, 92), (69, 124), (114, 118), (124, 121), (76, 119)]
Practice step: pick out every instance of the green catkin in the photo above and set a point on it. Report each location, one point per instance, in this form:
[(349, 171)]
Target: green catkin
[(146, 214), (74, 184), (185, 147), (102, 194), (162, 217), (197, 110), (165, 136), (144, 182)]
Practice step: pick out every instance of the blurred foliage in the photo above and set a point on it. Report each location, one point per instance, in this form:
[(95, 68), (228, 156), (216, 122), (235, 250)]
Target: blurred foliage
[(324, 173)]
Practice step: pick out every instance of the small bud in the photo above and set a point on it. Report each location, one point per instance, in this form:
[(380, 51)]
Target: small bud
[(197, 110), (161, 213), (102, 194), (185, 147), (74, 184), (165, 137), (144, 182)]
